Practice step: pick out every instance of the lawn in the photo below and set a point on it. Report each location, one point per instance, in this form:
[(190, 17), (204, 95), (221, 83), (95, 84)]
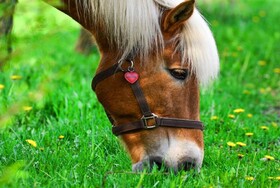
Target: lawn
[(45, 96)]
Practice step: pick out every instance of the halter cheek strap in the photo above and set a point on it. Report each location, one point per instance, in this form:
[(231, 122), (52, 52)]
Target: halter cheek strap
[(149, 120)]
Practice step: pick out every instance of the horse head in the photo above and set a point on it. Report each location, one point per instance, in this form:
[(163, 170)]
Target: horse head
[(154, 54)]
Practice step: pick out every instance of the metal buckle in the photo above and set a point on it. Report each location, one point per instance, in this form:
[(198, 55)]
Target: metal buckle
[(147, 119)]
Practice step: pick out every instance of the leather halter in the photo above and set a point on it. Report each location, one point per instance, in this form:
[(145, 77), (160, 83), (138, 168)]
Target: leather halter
[(149, 120)]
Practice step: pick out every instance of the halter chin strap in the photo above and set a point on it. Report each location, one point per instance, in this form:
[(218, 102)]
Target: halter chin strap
[(149, 120)]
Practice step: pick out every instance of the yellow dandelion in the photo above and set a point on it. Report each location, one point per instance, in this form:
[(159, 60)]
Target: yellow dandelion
[(255, 19), (214, 118), (27, 108), (276, 70), (225, 54), (265, 90), (274, 124), (249, 134), (262, 63), (31, 142), (240, 156), (231, 116), (239, 48), (262, 13), (2, 86), (61, 137), (246, 92), (239, 110), (264, 128), (215, 23), (262, 91), (240, 144), (249, 178), (234, 54), (16, 77), (269, 158), (249, 115), (231, 144), (274, 178)]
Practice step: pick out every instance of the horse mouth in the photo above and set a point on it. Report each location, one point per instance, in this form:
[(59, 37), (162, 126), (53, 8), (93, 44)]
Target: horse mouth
[(157, 162)]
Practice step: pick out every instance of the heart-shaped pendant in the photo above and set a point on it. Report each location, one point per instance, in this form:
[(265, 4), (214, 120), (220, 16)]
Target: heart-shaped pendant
[(131, 77)]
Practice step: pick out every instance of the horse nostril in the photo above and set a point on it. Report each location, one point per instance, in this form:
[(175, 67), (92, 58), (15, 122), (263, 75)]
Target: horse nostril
[(156, 161), (186, 166)]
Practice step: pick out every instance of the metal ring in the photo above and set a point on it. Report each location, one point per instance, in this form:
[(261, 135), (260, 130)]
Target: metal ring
[(130, 68)]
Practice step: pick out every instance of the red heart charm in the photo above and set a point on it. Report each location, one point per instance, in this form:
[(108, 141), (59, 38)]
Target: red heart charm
[(131, 77)]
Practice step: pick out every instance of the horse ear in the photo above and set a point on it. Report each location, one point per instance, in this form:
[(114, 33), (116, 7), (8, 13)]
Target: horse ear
[(175, 17)]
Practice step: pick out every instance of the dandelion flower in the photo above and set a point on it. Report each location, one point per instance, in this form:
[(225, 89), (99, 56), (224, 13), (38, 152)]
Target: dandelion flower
[(274, 178), (276, 70), (239, 48), (214, 118), (215, 23), (262, 63), (264, 128), (249, 115), (225, 54), (240, 144), (240, 156), (2, 86), (262, 13), (61, 137), (239, 110), (256, 19), (269, 158), (231, 144), (16, 77), (246, 92), (249, 178), (262, 90), (249, 134), (27, 108), (274, 124), (31, 142), (234, 54), (231, 116)]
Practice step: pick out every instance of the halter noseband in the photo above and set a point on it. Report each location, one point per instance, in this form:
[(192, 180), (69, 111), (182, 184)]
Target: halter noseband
[(149, 120)]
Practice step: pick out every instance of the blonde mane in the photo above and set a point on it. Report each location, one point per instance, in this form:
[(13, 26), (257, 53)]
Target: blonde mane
[(134, 26)]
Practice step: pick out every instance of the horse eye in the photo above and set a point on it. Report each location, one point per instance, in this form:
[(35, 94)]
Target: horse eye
[(180, 74)]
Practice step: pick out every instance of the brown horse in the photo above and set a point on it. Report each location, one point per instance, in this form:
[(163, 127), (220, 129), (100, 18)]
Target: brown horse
[(154, 55)]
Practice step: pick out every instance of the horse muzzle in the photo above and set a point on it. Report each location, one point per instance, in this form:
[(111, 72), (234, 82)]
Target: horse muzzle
[(179, 155)]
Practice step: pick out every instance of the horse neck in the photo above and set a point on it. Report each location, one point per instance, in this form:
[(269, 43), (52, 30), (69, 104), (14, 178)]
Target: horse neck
[(109, 52)]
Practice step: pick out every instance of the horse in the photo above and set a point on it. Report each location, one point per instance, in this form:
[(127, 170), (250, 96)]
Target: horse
[(155, 54)]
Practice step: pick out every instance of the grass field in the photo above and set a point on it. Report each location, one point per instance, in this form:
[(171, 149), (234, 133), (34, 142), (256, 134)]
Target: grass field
[(45, 96)]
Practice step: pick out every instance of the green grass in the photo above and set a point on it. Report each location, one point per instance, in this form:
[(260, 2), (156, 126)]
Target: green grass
[(56, 84)]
